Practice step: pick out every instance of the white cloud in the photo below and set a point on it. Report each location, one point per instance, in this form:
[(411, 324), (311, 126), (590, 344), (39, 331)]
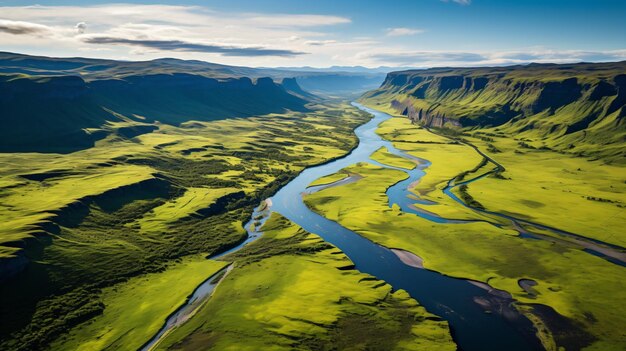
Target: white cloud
[(320, 42), (286, 20), (125, 31), (400, 31), (187, 31)]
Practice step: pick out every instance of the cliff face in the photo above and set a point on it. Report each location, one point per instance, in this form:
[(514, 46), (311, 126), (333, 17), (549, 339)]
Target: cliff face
[(420, 116), (574, 103)]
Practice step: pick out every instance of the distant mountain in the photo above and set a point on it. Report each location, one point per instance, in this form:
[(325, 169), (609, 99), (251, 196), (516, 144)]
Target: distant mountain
[(580, 108), (334, 80), (343, 84), (348, 81)]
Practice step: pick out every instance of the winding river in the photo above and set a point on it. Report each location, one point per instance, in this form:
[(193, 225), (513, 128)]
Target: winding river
[(480, 317), (460, 302)]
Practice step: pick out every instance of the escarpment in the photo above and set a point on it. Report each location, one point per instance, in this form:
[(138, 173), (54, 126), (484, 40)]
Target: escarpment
[(424, 117), (573, 104)]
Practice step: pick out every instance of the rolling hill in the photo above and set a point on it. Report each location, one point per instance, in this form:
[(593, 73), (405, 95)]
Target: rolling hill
[(114, 170)]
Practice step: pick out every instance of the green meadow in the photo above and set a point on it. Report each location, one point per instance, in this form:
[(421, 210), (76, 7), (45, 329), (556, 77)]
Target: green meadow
[(116, 192), (291, 290), (383, 155)]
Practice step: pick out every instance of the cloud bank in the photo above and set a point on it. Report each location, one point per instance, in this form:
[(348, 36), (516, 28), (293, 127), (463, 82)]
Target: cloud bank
[(179, 45), (125, 31), (450, 58)]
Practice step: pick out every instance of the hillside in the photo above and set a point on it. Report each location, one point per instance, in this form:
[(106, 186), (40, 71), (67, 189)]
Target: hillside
[(64, 105), (574, 108), (67, 104)]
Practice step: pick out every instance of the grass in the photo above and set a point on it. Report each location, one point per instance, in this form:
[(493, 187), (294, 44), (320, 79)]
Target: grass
[(26, 203), (291, 290), (552, 189), (335, 177), (483, 252), (75, 224), (447, 160), (136, 309), (383, 156), (192, 200)]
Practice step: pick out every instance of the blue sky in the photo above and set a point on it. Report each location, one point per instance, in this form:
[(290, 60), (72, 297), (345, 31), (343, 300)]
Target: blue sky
[(419, 33)]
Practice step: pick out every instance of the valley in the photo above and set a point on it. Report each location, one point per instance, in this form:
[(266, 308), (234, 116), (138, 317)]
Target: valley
[(183, 205)]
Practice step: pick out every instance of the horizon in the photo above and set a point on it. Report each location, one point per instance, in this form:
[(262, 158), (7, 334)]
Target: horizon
[(374, 68), (277, 33)]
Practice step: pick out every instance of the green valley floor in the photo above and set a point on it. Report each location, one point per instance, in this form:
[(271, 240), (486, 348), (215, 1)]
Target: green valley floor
[(102, 245)]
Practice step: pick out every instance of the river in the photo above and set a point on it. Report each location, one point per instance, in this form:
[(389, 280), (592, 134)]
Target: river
[(481, 318), (458, 301)]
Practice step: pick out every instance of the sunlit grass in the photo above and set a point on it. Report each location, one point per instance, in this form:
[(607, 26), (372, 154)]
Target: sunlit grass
[(291, 290)]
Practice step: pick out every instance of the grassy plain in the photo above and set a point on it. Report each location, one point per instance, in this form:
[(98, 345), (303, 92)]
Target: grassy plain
[(291, 290), (75, 224), (447, 159), (576, 284), (576, 194)]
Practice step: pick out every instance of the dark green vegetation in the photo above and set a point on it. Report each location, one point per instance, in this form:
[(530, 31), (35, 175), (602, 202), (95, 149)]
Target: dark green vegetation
[(94, 218), (574, 108), (169, 176), (142, 170)]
